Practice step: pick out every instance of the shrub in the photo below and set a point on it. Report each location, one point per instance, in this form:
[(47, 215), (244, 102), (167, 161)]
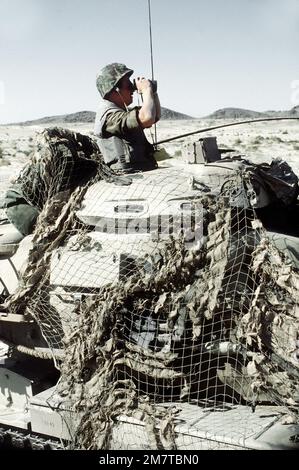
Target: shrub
[(257, 140)]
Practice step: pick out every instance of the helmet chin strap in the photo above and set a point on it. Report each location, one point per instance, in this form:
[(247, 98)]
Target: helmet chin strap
[(119, 93)]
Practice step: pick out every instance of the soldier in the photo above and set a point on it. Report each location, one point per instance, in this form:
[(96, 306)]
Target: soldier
[(119, 129)]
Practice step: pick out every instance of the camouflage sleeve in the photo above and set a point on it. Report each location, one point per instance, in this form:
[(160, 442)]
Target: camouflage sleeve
[(122, 123)]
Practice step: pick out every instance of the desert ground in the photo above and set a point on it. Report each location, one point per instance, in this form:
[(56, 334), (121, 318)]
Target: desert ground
[(260, 142)]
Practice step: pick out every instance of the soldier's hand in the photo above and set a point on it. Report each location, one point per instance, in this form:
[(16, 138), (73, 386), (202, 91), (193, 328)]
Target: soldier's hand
[(142, 84)]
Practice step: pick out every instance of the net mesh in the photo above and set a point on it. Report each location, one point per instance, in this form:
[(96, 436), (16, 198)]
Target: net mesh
[(177, 316)]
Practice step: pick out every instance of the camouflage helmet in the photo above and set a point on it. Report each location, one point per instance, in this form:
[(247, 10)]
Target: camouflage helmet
[(109, 77)]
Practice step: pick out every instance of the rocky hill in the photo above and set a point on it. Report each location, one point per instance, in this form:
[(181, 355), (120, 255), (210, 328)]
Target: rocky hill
[(169, 114), (89, 116), (240, 113), (166, 114), (234, 113)]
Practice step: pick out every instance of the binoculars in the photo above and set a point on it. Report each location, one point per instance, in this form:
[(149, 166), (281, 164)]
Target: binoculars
[(153, 84)]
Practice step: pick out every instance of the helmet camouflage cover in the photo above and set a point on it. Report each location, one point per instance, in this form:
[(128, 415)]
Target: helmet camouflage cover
[(109, 77)]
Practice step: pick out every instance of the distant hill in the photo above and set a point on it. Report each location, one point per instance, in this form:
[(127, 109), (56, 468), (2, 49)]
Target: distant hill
[(240, 113), (82, 116), (234, 113), (166, 114), (169, 114), (89, 116), (294, 112)]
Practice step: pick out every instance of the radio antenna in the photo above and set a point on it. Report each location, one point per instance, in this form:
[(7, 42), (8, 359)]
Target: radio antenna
[(152, 56), (150, 36)]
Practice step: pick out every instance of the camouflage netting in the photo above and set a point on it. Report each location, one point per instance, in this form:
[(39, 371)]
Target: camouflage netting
[(144, 345), (56, 178), (61, 161)]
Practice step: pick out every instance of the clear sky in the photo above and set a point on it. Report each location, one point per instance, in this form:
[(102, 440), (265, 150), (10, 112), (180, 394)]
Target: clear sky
[(208, 54)]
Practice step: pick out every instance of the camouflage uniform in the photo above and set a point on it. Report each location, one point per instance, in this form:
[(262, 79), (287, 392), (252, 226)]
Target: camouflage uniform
[(120, 135), (21, 214)]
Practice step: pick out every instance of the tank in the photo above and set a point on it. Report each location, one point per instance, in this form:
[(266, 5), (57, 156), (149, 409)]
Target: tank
[(156, 310)]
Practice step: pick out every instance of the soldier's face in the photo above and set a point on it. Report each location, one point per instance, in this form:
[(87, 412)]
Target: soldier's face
[(126, 90)]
